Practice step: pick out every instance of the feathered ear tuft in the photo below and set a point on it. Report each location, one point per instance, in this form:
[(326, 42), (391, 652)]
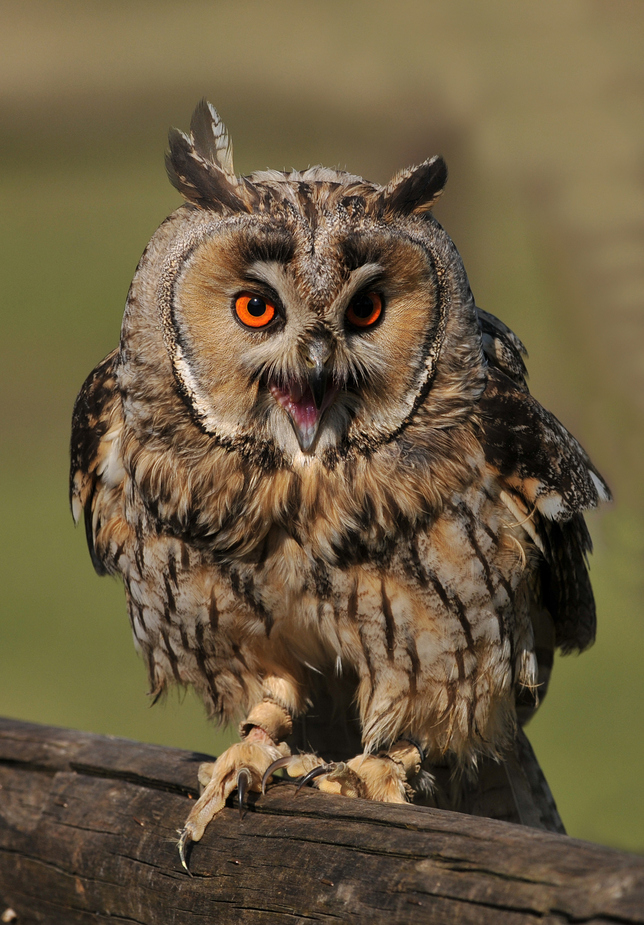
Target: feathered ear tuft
[(200, 166), (416, 189), (210, 137)]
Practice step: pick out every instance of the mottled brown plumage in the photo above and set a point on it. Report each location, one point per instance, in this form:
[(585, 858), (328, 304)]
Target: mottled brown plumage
[(344, 510)]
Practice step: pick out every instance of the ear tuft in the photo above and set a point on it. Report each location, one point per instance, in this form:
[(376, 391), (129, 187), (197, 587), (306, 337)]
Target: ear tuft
[(416, 189), (200, 166), (210, 138)]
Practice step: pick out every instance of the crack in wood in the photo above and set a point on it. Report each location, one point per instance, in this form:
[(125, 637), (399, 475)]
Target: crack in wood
[(131, 777), (29, 766), (420, 829), (465, 866)]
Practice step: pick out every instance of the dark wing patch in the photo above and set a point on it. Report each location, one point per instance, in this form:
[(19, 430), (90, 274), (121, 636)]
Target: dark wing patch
[(541, 463), (565, 583), (534, 454), (90, 422), (502, 348)]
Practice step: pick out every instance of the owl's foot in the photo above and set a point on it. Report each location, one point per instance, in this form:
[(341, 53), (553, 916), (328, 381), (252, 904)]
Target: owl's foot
[(367, 776), (384, 778), (241, 767), (338, 777), (304, 766)]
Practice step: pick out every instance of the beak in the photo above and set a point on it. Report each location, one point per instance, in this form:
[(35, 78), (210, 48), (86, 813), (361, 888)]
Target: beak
[(318, 376), (305, 401), (317, 379)]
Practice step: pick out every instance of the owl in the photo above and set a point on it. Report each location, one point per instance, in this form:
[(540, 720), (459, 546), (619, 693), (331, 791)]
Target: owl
[(337, 511)]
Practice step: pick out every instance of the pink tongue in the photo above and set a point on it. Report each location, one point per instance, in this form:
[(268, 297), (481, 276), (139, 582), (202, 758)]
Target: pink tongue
[(303, 411), (299, 404)]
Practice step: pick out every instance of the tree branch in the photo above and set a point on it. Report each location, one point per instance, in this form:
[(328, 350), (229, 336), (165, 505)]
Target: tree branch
[(88, 831)]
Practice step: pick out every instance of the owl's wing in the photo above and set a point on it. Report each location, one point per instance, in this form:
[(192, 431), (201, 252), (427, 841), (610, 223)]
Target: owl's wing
[(502, 348), (97, 475), (547, 481)]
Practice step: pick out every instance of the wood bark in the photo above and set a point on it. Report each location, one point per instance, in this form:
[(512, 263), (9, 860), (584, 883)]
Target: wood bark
[(88, 830)]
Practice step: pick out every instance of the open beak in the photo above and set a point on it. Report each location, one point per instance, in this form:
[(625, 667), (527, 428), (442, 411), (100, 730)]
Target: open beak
[(306, 401)]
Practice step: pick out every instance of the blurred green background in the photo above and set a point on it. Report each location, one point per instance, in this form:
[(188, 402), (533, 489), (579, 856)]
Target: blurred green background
[(538, 109)]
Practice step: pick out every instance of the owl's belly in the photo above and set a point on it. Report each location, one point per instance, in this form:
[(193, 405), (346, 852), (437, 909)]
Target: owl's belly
[(437, 632), (435, 627)]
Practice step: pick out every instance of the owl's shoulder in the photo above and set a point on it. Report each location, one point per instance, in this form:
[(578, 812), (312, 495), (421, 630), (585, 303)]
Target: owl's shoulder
[(502, 348), (533, 453), (96, 473)]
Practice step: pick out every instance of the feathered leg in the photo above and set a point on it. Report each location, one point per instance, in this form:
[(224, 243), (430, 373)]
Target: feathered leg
[(241, 767)]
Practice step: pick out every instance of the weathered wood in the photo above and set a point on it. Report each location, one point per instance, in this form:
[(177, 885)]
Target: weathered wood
[(88, 833)]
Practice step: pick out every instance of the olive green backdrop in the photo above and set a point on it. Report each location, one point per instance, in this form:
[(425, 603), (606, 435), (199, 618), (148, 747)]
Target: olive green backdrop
[(538, 109)]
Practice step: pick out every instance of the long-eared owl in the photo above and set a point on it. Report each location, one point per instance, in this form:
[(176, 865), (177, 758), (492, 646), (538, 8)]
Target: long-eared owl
[(336, 508)]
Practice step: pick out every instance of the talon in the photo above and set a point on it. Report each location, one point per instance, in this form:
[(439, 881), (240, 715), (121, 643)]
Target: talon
[(185, 839), (244, 780), (316, 772), (275, 766)]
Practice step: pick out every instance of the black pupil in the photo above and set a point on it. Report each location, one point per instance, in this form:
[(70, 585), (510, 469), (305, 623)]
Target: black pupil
[(363, 306), (256, 307)]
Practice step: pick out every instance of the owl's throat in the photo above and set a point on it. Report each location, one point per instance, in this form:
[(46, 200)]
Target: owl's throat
[(304, 408)]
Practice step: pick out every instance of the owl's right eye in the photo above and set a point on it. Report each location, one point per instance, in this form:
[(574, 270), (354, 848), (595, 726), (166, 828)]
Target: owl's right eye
[(254, 311), (364, 310)]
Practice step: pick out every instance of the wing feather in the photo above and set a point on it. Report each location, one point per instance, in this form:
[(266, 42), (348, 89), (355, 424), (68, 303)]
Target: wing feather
[(502, 348), (96, 473), (535, 454), (545, 470)]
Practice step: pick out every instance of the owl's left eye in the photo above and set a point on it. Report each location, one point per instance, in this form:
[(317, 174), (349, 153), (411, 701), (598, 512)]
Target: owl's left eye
[(364, 310), (254, 311)]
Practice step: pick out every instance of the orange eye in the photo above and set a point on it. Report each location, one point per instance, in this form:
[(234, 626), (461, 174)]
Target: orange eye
[(364, 310), (253, 310)]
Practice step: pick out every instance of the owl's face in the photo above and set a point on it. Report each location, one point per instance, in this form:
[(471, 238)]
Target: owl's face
[(305, 312)]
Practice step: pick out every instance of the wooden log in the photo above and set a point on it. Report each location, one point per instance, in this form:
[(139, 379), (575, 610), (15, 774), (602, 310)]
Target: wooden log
[(88, 829)]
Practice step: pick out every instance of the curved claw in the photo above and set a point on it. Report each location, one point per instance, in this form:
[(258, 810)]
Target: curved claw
[(244, 780), (316, 772), (184, 840), (275, 766)]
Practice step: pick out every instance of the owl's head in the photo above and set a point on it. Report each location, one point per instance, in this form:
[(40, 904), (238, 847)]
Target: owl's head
[(310, 314)]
